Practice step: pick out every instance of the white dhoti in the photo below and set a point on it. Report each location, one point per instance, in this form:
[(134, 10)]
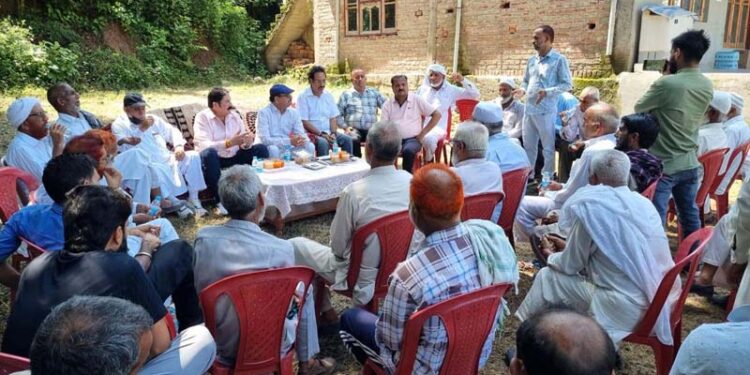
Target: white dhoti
[(167, 233), (431, 140), (718, 248), (531, 209), (133, 164), (191, 171)]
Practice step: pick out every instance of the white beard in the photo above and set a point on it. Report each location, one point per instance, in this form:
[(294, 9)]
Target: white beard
[(436, 85)]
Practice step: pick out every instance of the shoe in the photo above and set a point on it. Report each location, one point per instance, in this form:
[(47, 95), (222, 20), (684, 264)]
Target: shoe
[(702, 290), (720, 300), (319, 366), (195, 205), (222, 211), (184, 212)]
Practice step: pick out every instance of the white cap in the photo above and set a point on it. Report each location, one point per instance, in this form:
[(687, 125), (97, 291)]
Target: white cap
[(721, 102), (508, 81), (738, 102), (488, 113)]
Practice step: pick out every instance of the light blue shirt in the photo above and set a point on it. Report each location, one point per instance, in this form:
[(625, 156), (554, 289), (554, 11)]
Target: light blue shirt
[(275, 127), (319, 110), (549, 73), (74, 126), (506, 152), (566, 102)]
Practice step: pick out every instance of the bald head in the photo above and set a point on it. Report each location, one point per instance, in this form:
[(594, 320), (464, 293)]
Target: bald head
[(600, 119), (550, 343), (64, 99), (359, 80), (437, 196)]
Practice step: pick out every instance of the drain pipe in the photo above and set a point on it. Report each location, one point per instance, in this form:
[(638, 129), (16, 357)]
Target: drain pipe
[(457, 39), (611, 28)]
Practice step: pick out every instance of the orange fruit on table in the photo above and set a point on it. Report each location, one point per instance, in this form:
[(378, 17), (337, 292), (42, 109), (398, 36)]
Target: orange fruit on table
[(278, 164)]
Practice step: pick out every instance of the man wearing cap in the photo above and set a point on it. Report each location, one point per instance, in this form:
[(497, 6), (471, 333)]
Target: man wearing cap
[(711, 135), (501, 149), (359, 108), (547, 75), (443, 95), (179, 171), (737, 134), (280, 126), (512, 109), (222, 140), (320, 114)]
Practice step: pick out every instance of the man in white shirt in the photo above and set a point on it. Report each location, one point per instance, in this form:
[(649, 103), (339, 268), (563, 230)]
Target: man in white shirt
[(714, 349), (180, 171), (615, 256), (222, 139), (600, 123), (478, 175), (513, 109), (738, 133), (711, 135), (320, 113), (569, 143), (382, 191), (280, 126), (443, 95), (501, 149)]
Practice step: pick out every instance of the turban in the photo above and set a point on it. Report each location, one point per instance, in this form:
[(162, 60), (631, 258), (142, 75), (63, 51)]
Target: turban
[(437, 68), (20, 109), (488, 113), (508, 81), (737, 102), (721, 102)]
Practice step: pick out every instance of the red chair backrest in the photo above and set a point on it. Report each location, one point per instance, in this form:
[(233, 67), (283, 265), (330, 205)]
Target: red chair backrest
[(468, 320), (711, 162), (480, 206), (696, 240), (514, 186), (738, 153), (10, 363), (34, 249), (9, 203), (651, 190), (261, 300), (466, 108), (394, 233)]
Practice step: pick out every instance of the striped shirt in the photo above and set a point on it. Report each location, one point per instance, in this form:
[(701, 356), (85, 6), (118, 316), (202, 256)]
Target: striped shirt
[(549, 73)]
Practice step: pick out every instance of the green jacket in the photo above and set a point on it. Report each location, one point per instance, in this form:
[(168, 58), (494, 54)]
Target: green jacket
[(679, 102)]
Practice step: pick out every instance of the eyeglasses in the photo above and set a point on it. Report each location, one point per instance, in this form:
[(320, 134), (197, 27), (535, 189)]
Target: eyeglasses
[(40, 114)]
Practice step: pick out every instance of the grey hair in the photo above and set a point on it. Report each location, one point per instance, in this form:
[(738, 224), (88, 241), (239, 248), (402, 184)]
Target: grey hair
[(611, 167), (239, 187), (90, 335), (474, 136), (385, 140), (590, 92), (607, 115)]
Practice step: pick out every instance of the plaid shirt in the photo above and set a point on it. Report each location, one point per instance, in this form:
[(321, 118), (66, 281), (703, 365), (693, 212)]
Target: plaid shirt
[(444, 267), (360, 111), (645, 168)]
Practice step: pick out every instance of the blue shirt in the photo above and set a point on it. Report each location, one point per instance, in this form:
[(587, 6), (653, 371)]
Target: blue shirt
[(274, 127), (565, 103), (506, 152), (549, 73), (41, 224)]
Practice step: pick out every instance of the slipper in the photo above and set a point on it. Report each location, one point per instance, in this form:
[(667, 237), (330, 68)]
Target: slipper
[(702, 290), (319, 366)]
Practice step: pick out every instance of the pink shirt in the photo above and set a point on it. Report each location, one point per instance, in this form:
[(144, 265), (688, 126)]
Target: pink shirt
[(210, 132), (407, 116)]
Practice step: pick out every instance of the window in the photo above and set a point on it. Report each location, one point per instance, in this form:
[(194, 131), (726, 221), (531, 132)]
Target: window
[(738, 19), (370, 17), (699, 7)]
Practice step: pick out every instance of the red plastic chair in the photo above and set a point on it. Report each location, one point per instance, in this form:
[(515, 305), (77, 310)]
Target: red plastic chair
[(394, 233), (170, 325), (466, 108), (468, 319), (738, 155), (514, 186), (651, 190), (9, 190), (10, 363), (480, 206), (665, 354), (261, 300)]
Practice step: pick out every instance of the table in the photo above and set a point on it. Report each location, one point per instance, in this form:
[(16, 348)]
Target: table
[(296, 192)]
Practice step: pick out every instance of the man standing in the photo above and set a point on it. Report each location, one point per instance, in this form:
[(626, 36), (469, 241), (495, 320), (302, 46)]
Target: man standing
[(679, 101), (320, 114), (637, 132), (279, 125), (513, 109), (501, 149), (222, 139), (547, 75), (407, 110), (359, 109), (443, 95)]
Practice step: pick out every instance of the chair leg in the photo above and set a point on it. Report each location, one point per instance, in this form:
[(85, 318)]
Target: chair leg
[(318, 295), (664, 356), (722, 205), (287, 365)]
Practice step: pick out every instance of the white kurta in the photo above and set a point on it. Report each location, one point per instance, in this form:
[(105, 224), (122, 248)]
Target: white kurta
[(741, 253), (512, 118), (711, 137), (444, 99), (382, 191), (31, 155), (737, 133), (481, 176)]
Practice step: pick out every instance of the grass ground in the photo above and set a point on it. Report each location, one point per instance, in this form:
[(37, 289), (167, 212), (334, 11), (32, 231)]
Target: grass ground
[(107, 105)]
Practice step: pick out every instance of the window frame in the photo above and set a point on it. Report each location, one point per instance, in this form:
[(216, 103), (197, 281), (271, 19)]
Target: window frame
[(689, 4), (741, 31), (360, 6)]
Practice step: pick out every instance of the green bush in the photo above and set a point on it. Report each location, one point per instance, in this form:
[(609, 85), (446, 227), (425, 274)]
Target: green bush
[(21, 61)]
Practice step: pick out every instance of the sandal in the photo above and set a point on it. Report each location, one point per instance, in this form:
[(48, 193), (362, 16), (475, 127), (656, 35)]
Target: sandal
[(319, 366)]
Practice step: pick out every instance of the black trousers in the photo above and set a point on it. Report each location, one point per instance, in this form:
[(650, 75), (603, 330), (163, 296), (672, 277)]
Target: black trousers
[(213, 164), (171, 273), (357, 143), (409, 149), (565, 158)]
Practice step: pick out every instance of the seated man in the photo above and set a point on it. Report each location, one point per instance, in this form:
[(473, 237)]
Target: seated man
[(501, 149), (637, 132), (359, 109), (320, 114), (384, 190), (615, 256), (478, 175), (711, 135), (600, 123), (222, 140), (94, 263), (407, 110), (441, 94), (155, 245), (543, 346), (279, 125), (453, 259), (179, 171), (738, 133), (112, 336), (240, 245), (714, 349), (511, 109), (568, 141)]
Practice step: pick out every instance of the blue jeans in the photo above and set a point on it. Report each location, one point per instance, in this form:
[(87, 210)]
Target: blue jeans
[(683, 186), (344, 141), (357, 330)]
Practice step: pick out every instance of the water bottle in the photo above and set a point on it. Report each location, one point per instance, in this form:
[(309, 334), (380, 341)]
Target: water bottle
[(257, 165), (335, 147), (546, 179), (155, 206), (288, 153)]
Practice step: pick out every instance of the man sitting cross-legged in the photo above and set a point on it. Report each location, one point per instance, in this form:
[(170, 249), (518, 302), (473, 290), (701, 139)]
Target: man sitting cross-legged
[(637, 132), (453, 259), (240, 245), (94, 262), (615, 256), (382, 191), (155, 245)]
